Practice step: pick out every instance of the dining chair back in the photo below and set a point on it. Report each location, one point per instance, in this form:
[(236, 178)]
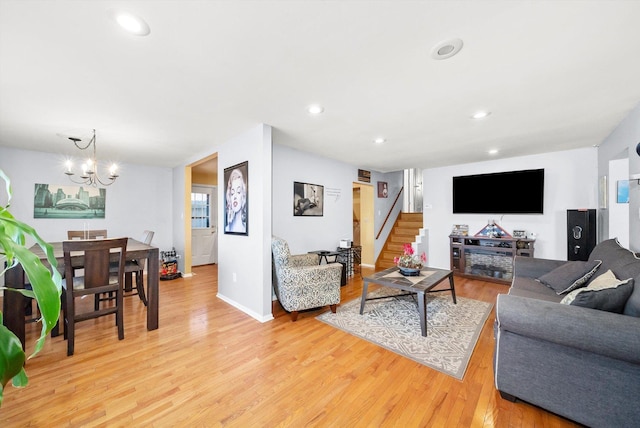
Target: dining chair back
[(136, 267), (87, 234), (147, 236), (102, 274)]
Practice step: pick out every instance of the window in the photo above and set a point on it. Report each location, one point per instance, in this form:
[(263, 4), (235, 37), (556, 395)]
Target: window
[(200, 210)]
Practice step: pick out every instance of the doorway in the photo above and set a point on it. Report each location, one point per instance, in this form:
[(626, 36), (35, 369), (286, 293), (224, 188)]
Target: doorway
[(202, 173), (204, 225), (363, 210)]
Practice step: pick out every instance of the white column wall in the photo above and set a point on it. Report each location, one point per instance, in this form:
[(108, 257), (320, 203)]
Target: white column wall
[(571, 181)]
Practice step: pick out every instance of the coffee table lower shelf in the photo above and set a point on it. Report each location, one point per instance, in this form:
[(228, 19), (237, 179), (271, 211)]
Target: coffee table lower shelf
[(420, 285)]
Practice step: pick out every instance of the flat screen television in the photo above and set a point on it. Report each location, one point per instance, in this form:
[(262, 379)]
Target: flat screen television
[(512, 192)]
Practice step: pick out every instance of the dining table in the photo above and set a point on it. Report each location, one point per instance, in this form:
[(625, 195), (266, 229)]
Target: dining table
[(13, 307)]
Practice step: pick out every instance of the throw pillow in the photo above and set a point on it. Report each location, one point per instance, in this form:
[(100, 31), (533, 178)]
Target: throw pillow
[(569, 276), (624, 264), (606, 293)]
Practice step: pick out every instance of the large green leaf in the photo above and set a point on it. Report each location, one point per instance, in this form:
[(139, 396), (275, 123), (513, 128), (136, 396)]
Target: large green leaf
[(46, 289), (12, 359), (45, 283)]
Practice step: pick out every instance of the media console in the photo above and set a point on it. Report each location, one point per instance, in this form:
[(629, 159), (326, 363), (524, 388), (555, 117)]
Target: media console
[(488, 259)]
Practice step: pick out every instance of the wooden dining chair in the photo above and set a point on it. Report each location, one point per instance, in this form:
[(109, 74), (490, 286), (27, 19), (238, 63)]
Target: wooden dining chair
[(98, 278), (136, 267), (133, 271), (87, 234)]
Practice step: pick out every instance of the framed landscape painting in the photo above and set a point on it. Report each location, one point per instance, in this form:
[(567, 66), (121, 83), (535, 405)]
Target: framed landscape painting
[(68, 201)]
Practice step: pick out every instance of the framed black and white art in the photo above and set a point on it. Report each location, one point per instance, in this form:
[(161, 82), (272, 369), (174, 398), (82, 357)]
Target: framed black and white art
[(308, 199)]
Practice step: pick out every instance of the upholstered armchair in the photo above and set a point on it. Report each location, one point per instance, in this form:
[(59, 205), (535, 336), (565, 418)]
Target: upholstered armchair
[(301, 283)]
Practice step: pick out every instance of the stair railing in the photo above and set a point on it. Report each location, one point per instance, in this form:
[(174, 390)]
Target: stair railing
[(389, 213)]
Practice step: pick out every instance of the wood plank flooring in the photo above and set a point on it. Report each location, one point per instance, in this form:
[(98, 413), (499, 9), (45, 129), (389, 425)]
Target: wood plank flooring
[(211, 365)]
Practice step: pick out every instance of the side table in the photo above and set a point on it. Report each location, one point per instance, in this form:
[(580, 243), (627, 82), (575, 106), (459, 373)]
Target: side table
[(325, 254), (351, 257)]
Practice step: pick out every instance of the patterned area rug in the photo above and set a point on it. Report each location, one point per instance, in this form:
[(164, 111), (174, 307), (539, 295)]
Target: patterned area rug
[(394, 324)]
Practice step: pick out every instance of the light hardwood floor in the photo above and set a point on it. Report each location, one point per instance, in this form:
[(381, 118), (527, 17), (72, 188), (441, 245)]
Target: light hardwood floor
[(209, 364)]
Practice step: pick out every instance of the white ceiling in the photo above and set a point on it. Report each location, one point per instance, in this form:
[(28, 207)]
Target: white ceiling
[(555, 75)]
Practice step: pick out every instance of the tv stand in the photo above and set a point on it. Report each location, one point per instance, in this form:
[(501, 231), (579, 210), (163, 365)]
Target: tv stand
[(487, 259)]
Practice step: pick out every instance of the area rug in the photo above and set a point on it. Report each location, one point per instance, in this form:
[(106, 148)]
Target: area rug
[(394, 324)]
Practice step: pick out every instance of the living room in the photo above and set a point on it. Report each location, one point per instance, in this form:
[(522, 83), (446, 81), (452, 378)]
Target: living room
[(571, 182), (153, 197)]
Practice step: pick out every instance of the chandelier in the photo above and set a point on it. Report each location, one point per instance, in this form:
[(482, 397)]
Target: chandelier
[(89, 174)]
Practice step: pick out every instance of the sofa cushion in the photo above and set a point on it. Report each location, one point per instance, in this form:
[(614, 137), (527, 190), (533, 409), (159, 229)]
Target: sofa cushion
[(570, 275), (531, 288), (605, 292), (624, 264)]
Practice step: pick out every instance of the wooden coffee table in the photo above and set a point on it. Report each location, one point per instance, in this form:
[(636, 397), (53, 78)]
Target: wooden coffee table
[(420, 285)]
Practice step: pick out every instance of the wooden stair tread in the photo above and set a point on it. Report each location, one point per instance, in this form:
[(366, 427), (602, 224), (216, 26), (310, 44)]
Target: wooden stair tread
[(404, 231)]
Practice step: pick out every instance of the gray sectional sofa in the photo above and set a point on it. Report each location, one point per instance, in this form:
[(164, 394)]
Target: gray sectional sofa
[(571, 359)]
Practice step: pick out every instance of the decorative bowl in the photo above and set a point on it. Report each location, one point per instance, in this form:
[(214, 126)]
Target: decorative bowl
[(407, 271)]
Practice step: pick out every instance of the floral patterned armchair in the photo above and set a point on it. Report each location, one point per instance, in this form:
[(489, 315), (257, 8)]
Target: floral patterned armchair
[(300, 282)]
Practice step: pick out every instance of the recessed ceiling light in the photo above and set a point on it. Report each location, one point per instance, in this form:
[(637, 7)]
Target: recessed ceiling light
[(493, 151), (131, 23), (480, 114), (379, 140), (315, 109), (446, 49)]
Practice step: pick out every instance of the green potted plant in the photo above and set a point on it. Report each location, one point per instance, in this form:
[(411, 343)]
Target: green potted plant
[(46, 288)]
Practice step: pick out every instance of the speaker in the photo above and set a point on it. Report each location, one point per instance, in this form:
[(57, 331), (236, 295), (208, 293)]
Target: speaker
[(581, 234)]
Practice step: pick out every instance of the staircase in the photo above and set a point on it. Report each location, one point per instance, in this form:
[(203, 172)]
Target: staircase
[(404, 231)]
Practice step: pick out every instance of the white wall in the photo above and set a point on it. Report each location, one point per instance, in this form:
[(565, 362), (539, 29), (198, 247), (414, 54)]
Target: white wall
[(571, 180), (618, 212), (244, 262), (140, 199), (307, 233), (620, 144), (177, 208), (384, 205)]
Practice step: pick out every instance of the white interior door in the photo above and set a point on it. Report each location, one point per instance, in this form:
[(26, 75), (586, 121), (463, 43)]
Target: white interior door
[(204, 234)]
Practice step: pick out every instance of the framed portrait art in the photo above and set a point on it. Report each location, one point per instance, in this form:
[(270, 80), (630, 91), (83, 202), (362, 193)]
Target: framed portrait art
[(308, 199), (236, 199), (383, 189)]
